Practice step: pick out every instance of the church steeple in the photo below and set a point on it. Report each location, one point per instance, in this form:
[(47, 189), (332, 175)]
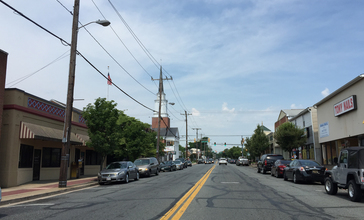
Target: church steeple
[(161, 97)]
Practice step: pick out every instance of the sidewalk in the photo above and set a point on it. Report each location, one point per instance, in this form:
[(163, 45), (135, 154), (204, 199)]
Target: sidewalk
[(37, 189)]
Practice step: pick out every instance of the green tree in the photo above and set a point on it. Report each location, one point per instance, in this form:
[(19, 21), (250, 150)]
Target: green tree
[(101, 118), (136, 139), (182, 150), (288, 137), (259, 142)]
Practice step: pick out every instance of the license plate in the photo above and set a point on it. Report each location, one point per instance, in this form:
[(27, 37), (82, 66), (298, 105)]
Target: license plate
[(108, 178), (315, 171)]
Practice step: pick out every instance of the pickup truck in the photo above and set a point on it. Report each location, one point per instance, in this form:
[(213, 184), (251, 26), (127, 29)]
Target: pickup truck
[(242, 161), (347, 174), (266, 161)]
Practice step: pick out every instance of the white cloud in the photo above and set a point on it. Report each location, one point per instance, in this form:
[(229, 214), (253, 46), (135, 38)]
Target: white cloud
[(325, 93), (195, 112), (226, 109)]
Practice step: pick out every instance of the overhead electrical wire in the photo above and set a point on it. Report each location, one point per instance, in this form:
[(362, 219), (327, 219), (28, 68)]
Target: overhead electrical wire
[(123, 43), (15, 82), (79, 53), (150, 56), (107, 52)]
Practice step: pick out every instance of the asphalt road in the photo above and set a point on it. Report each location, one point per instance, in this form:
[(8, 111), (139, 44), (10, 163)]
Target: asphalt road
[(221, 192)]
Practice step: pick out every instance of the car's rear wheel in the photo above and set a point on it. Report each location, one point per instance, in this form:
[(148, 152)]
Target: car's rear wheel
[(258, 171), (277, 175), (354, 191), (137, 176), (157, 172), (127, 178), (271, 173), (330, 186), (263, 171)]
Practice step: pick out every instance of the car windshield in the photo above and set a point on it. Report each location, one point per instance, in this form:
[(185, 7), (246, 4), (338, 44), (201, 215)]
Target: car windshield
[(116, 166), (141, 162), (168, 162), (177, 162), (309, 163)]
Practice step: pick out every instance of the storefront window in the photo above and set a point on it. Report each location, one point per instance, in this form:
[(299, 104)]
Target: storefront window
[(26, 156), (51, 157), (312, 152)]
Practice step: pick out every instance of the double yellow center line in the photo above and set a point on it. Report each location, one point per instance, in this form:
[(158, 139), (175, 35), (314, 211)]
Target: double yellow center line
[(182, 204)]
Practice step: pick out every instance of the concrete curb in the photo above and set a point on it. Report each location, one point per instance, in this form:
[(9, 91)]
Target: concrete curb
[(44, 194)]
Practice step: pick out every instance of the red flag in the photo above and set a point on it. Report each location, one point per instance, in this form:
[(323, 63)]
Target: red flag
[(109, 82)]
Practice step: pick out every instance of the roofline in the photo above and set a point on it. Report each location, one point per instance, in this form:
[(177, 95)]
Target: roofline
[(342, 88), (304, 111)]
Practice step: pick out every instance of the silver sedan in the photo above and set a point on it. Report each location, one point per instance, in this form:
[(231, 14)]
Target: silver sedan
[(118, 172)]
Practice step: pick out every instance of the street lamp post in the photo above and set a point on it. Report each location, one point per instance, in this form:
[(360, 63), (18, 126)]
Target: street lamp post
[(69, 106)]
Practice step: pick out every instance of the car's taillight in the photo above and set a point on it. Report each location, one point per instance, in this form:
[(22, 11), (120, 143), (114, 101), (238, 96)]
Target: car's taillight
[(265, 162)]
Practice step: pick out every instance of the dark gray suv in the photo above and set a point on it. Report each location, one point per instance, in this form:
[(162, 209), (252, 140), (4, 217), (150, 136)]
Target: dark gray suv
[(147, 166)]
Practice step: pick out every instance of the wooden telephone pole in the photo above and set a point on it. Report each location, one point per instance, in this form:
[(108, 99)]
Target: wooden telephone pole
[(186, 133), (160, 91)]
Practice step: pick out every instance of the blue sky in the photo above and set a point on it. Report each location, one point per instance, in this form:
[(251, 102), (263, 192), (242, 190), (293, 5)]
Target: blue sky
[(235, 64)]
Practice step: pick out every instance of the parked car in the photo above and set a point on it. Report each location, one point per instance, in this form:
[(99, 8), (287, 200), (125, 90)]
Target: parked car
[(223, 161), (347, 174), (189, 163), (242, 161), (179, 164), (266, 161), (200, 161), (168, 166), (147, 166), (304, 170), (120, 171), (184, 161), (277, 168)]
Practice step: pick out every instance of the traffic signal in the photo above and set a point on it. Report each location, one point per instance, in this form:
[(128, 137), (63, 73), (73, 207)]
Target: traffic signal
[(225, 143), (215, 143)]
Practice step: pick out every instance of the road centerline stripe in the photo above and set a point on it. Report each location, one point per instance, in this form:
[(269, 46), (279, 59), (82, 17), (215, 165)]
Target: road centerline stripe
[(194, 190)]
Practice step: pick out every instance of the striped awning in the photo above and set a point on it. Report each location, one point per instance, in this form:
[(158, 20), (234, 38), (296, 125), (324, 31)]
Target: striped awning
[(83, 138), (33, 131)]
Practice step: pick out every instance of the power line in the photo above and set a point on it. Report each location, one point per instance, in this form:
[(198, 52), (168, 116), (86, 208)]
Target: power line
[(112, 56), (123, 42), (21, 79), (79, 53)]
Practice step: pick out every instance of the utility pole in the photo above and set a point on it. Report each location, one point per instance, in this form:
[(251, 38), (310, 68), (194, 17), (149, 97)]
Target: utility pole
[(68, 118), (160, 91), (186, 133), (197, 139)]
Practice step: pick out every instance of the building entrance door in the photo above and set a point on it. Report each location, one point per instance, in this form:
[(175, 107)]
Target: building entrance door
[(36, 166)]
